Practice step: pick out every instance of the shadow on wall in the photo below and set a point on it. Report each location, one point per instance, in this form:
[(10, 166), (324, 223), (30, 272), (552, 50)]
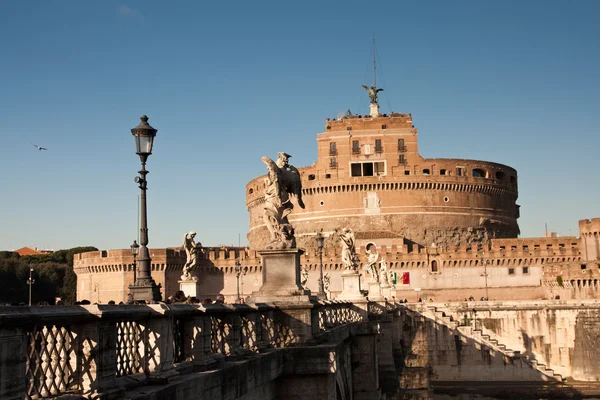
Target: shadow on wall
[(429, 353)]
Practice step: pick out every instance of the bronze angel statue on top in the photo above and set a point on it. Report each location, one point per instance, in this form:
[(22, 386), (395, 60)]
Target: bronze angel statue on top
[(282, 181), (372, 92)]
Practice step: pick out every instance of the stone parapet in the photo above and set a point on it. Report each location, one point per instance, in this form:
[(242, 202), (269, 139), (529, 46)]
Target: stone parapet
[(98, 351)]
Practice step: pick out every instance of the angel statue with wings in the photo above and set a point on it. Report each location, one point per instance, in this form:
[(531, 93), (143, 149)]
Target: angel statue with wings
[(192, 250), (372, 92), (349, 256), (282, 181)]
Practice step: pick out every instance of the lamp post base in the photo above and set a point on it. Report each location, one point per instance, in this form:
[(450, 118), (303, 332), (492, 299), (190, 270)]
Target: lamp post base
[(149, 293)]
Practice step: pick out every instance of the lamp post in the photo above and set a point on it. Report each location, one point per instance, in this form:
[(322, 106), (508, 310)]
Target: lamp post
[(30, 282), (238, 272), (134, 252), (485, 274), (320, 243), (144, 288)]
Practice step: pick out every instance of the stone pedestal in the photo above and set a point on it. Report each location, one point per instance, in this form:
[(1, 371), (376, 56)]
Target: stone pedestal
[(281, 278), (148, 293), (350, 287), (190, 288), (375, 292), (374, 108), (387, 292)]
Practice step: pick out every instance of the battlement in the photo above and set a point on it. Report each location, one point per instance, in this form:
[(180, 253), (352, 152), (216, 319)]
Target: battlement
[(589, 226), (365, 122)]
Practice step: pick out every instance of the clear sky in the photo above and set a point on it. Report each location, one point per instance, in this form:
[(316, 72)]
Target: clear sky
[(225, 82)]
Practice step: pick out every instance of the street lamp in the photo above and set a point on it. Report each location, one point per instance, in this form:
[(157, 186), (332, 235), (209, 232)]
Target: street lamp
[(30, 282), (485, 274), (320, 243), (144, 288), (134, 252), (238, 272)]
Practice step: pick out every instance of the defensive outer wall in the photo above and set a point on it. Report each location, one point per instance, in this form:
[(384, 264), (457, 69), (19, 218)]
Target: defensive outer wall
[(566, 267), (370, 176)]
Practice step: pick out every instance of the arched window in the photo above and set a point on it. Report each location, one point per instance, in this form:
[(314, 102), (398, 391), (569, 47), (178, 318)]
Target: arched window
[(434, 266), (478, 173)]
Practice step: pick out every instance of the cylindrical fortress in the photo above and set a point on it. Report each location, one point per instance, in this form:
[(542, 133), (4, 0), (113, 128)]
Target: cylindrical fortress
[(370, 177)]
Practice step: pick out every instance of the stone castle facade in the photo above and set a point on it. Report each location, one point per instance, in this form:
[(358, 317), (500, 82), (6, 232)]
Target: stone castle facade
[(447, 228), (370, 176)]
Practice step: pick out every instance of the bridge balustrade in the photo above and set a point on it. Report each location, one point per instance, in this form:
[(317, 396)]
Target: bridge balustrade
[(101, 349)]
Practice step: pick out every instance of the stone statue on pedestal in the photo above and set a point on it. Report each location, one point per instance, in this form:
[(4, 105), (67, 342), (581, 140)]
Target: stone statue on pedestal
[(282, 181), (348, 250), (304, 277), (372, 264), (326, 283), (192, 250), (383, 274)]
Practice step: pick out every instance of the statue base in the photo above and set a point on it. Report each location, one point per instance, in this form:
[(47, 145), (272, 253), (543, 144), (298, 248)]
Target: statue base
[(149, 294), (388, 292), (190, 288), (375, 292), (374, 109), (350, 287), (281, 278)]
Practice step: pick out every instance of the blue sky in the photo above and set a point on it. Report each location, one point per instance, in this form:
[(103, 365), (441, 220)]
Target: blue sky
[(227, 82)]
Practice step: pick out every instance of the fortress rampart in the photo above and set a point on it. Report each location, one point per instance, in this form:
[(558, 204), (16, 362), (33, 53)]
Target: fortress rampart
[(525, 268)]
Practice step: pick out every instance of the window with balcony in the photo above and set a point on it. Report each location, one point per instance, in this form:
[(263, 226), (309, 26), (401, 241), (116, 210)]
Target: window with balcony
[(355, 147), (401, 146), (332, 149), (378, 146)]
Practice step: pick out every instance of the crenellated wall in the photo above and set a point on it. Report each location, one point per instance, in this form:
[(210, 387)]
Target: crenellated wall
[(525, 269), (590, 236)]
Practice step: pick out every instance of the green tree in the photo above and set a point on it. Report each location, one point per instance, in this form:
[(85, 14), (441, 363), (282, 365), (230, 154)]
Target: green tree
[(53, 274)]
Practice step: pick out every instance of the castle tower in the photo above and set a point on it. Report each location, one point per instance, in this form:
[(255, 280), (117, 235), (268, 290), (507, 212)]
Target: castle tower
[(370, 176)]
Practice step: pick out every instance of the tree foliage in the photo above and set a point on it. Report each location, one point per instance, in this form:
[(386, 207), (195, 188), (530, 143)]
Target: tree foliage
[(52, 273)]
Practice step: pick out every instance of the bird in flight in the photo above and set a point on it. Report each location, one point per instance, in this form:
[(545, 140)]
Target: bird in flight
[(39, 147)]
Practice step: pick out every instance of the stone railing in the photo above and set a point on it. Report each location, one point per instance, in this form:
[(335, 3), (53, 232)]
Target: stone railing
[(99, 351)]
